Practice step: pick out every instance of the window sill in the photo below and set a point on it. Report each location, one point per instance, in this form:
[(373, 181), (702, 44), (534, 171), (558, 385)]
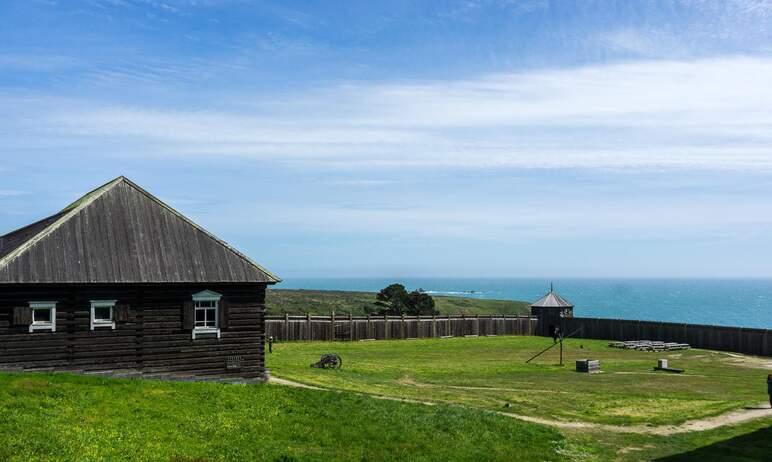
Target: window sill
[(206, 331), (100, 325), (42, 327)]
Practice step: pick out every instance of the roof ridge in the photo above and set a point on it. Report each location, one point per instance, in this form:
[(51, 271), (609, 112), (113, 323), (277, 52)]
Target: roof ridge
[(67, 213)]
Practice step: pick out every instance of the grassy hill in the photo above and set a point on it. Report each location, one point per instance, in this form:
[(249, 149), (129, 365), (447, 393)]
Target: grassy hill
[(280, 301)]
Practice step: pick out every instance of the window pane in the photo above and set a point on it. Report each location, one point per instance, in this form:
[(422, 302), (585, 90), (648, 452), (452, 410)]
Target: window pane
[(206, 316), (102, 313), (41, 315)]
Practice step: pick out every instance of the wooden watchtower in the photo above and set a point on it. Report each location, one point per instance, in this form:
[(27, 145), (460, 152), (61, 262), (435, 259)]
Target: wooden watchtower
[(550, 309)]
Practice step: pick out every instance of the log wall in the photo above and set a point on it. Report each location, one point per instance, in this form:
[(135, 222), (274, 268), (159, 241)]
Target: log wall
[(152, 341), (327, 328), (722, 338)]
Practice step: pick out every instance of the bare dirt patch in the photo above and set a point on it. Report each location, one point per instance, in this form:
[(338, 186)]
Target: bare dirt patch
[(754, 362)]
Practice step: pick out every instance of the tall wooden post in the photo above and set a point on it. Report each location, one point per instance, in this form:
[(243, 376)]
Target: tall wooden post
[(434, 326), (561, 348), (402, 327)]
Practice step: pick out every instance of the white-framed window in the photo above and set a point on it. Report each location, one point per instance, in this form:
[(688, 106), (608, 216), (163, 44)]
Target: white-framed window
[(43, 316), (206, 305), (102, 314)]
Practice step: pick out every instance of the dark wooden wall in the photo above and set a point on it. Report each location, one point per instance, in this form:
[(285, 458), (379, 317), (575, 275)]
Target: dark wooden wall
[(152, 341), (290, 328), (723, 338)]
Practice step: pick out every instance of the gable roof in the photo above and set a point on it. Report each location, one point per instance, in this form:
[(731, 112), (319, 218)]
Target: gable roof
[(552, 300), (120, 233)]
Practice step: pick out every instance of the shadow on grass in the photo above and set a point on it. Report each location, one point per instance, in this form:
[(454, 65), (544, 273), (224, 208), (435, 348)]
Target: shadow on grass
[(756, 446)]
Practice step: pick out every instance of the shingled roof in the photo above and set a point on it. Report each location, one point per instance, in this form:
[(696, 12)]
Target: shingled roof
[(120, 233), (552, 300)]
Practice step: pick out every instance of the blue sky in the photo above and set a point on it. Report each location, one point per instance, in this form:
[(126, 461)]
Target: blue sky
[(424, 138)]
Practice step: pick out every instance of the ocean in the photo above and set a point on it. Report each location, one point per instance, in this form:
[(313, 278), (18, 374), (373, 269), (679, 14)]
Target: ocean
[(727, 302)]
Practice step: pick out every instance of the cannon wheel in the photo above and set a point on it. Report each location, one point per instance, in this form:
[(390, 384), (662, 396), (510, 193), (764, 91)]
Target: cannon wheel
[(338, 362)]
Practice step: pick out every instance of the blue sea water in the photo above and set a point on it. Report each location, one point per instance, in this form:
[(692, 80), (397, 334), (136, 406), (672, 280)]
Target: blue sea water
[(728, 302)]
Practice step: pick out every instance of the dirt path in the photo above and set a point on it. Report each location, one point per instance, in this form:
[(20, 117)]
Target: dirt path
[(709, 423), (748, 361), (290, 383)]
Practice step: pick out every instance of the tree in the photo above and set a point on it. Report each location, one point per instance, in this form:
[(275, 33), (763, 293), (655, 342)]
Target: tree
[(395, 300), (392, 300), (421, 303)]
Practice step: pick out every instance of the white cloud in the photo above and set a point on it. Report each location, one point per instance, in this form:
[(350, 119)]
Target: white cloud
[(11, 192), (37, 63), (361, 182), (522, 219), (714, 113)]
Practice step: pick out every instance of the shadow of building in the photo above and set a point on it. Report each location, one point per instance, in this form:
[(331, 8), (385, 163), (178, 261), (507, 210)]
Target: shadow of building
[(755, 446)]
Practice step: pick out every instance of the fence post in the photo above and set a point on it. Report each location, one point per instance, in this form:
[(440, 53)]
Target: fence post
[(402, 327), (350, 327), (369, 335), (286, 327), (386, 333), (434, 326), (332, 326), (308, 327)]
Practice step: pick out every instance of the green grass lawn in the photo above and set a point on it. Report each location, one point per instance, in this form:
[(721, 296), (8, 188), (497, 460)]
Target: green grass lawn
[(62, 417), (491, 373), (280, 301), (78, 418)]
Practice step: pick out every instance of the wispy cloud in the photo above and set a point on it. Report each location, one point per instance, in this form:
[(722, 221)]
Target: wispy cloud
[(719, 218), (705, 114), (37, 62), (361, 182), (11, 192)]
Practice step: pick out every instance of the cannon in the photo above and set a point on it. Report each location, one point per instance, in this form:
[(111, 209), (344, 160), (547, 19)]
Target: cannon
[(328, 361)]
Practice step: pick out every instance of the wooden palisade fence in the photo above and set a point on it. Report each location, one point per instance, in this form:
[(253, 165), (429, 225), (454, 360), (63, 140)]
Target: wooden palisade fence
[(723, 338), (312, 327)]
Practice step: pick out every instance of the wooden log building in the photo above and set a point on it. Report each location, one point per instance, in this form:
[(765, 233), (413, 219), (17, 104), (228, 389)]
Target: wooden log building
[(119, 282)]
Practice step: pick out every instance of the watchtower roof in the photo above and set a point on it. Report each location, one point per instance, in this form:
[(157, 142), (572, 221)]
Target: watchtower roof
[(552, 300)]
